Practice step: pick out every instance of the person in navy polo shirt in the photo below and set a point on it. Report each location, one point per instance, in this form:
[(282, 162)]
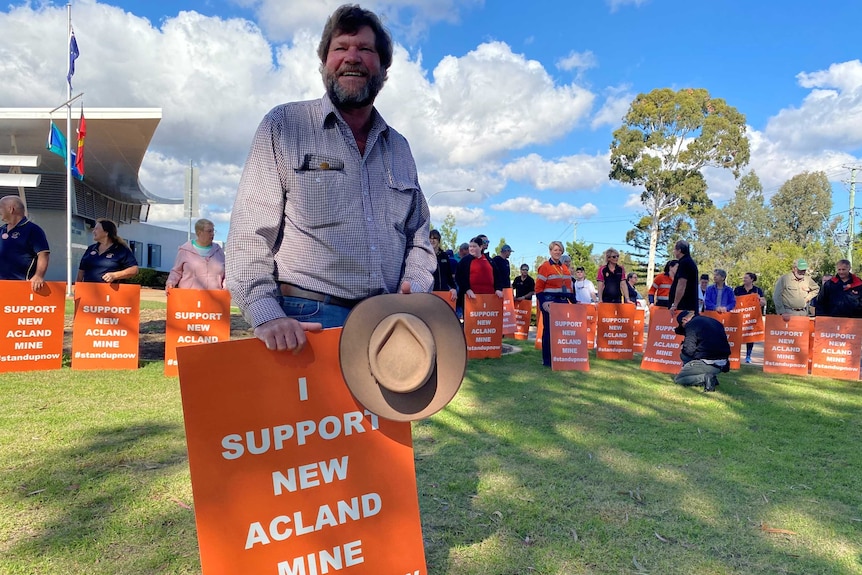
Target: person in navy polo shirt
[(23, 245), (109, 259)]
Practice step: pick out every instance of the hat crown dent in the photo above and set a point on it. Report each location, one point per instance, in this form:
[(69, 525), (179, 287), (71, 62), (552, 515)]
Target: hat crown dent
[(402, 354)]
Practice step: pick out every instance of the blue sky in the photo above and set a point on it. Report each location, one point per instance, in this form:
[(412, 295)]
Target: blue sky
[(515, 99)]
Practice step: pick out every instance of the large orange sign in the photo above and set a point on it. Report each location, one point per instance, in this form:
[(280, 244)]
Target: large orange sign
[(733, 331), (523, 319), (614, 335), (748, 306), (483, 326), (785, 349), (837, 347), (569, 349), (106, 329), (33, 326), (289, 474), (508, 311), (662, 348), (195, 316)]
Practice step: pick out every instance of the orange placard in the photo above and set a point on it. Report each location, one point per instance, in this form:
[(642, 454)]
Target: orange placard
[(837, 352), (33, 325), (508, 311), (447, 297), (483, 326), (194, 316), (638, 331), (748, 306), (289, 473), (614, 334), (733, 331), (662, 348), (106, 329), (592, 323), (523, 319), (569, 351), (785, 349)]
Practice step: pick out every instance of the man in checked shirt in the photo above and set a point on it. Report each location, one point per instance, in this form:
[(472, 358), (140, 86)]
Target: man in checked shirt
[(329, 210)]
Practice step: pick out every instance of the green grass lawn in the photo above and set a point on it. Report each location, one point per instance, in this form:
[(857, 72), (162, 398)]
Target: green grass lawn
[(526, 472)]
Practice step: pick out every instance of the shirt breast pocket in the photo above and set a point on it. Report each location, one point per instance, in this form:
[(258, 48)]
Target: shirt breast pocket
[(318, 199), (400, 205)]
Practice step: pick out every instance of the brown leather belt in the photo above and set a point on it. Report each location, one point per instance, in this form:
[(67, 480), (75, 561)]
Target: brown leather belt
[(290, 290)]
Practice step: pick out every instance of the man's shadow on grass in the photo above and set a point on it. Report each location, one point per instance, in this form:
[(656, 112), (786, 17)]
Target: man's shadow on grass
[(105, 488)]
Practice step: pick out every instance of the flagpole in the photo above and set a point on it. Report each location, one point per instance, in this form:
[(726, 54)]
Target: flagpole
[(69, 183)]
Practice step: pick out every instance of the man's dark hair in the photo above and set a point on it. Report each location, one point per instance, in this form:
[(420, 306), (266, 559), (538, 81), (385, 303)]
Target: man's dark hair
[(683, 247), (348, 19), (704, 277)]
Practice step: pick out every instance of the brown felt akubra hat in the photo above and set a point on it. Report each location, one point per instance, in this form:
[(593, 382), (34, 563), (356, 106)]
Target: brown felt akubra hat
[(403, 356)]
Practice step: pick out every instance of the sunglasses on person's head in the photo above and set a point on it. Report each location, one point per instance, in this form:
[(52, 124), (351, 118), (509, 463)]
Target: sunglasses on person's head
[(614, 257)]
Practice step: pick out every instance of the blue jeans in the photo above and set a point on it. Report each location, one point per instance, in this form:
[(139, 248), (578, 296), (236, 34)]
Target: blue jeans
[(311, 311)]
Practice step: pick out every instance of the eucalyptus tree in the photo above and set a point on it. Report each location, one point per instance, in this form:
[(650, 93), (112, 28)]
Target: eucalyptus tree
[(801, 208), (724, 235), (449, 233), (666, 139)]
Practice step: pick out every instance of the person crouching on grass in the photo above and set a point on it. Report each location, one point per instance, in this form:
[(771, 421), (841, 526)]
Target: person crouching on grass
[(705, 351)]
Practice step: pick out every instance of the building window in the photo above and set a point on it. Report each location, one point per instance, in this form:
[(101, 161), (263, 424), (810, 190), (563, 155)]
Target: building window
[(137, 249), (154, 255)]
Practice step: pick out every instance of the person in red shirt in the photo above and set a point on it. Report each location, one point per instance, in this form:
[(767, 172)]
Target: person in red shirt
[(477, 275), (841, 296)]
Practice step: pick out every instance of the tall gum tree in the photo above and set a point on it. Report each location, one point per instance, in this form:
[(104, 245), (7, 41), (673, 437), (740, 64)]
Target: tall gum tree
[(665, 141)]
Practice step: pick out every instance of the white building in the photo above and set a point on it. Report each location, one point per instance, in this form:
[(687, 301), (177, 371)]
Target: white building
[(115, 144)]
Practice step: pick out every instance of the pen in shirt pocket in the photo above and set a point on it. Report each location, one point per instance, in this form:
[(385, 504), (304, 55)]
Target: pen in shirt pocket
[(316, 162)]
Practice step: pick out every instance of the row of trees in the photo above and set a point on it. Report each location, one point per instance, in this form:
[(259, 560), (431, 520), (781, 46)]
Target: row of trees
[(666, 140)]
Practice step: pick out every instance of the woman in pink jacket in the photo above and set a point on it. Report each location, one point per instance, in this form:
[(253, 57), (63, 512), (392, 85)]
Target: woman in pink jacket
[(200, 262)]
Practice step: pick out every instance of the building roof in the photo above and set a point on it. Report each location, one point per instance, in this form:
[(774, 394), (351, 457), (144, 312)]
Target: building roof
[(116, 141)]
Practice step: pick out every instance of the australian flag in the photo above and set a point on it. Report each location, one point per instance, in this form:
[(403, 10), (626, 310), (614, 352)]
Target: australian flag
[(73, 55)]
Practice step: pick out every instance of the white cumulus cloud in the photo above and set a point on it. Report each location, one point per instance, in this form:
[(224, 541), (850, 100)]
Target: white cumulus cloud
[(579, 172), (552, 212)]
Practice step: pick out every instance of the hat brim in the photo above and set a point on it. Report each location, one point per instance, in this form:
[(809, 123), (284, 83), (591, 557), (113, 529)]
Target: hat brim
[(451, 356)]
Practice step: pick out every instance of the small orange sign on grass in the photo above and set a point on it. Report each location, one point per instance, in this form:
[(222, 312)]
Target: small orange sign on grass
[(106, 330), (786, 347), (195, 316), (483, 326), (569, 350), (32, 324)]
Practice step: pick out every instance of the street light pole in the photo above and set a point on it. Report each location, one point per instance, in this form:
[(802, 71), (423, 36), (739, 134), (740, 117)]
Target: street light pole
[(470, 190)]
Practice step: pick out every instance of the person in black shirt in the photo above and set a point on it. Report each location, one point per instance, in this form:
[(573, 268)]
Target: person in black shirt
[(524, 285), (444, 279), (683, 291), (748, 288), (705, 351), (612, 279)]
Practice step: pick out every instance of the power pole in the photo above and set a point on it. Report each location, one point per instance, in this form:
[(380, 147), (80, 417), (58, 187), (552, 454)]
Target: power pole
[(851, 227)]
